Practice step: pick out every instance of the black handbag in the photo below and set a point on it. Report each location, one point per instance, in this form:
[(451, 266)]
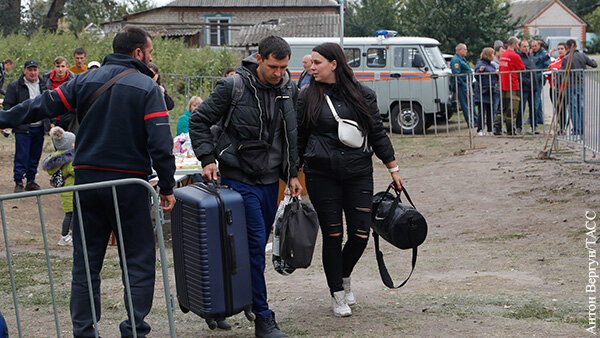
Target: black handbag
[(399, 224), (299, 229)]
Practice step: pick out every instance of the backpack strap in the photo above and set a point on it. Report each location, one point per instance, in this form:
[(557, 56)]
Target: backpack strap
[(236, 94), (383, 271)]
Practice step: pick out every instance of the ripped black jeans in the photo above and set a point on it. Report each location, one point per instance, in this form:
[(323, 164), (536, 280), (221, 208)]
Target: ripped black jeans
[(330, 195)]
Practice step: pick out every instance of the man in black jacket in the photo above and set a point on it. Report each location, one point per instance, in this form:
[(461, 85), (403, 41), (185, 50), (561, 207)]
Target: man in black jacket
[(5, 66), (264, 116), (29, 137), (528, 85), (124, 132), (575, 84)]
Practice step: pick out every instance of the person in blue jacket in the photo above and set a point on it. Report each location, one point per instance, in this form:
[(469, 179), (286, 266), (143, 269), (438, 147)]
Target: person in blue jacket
[(542, 59), (123, 134), (459, 65), (485, 89)]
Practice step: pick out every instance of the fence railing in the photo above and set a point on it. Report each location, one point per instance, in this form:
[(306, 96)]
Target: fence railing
[(468, 104), (159, 220)]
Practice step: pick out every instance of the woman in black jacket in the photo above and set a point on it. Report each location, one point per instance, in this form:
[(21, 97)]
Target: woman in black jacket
[(339, 177)]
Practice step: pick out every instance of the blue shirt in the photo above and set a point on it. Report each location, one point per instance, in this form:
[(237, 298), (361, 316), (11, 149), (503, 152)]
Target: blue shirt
[(459, 65)]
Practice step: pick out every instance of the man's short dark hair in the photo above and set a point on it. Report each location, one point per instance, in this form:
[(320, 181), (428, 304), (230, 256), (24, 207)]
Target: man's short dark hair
[(274, 45), (79, 51), (130, 38), (571, 43), (9, 62), (497, 48), (564, 44)]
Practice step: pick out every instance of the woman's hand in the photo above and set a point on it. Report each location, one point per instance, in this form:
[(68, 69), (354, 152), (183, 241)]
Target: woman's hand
[(397, 180)]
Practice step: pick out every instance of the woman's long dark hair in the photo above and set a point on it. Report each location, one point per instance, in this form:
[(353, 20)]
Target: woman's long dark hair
[(345, 82)]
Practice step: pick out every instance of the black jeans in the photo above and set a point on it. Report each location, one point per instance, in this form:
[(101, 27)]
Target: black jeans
[(99, 221), (330, 194)]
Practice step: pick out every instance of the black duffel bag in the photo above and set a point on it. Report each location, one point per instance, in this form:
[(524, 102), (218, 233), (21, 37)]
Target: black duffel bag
[(399, 224)]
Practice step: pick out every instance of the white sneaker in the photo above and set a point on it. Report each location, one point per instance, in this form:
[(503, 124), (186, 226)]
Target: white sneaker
[(481, 133), (340, 308), (350, 300), (66, 240)]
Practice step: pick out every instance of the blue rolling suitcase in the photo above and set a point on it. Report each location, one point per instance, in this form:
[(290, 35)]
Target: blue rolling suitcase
[(210, 250)]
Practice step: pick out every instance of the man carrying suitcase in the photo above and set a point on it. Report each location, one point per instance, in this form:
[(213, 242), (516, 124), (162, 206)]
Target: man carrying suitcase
[(256, 148), (133, 111)]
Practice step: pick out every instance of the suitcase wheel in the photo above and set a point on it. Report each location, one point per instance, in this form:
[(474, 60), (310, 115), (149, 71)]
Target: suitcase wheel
[(212, 324), (250, 315), (183, 308)]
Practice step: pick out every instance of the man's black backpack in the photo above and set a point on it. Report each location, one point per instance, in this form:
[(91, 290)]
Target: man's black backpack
[(399, 224)]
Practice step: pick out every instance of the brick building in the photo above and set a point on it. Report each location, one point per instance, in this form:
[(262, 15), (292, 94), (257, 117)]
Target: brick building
[(235, 22)]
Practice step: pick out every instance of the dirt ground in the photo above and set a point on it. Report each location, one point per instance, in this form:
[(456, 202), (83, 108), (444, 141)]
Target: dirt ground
[(505, 254)]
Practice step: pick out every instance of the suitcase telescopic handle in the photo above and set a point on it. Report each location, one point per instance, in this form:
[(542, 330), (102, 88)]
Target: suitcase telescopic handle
[(232, 255)]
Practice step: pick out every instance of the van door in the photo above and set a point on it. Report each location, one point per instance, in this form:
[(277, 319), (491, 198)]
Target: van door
[(411, 86), (377, 68)]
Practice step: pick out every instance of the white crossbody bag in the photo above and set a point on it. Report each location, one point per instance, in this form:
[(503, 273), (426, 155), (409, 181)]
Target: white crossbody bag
[(348, 131)]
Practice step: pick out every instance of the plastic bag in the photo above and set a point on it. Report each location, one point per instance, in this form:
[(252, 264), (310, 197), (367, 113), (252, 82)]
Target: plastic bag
[(279, 265)]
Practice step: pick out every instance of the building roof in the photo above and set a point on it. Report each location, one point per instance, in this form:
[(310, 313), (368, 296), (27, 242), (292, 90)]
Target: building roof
[(524, 11), (253, 3)]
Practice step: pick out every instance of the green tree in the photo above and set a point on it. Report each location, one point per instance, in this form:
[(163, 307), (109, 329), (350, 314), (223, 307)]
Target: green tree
[(10, 16), (581, 7), (593, 20), (477, 23), (365, 17)]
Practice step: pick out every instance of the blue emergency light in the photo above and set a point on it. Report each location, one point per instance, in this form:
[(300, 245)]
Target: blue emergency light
[(386, 33)]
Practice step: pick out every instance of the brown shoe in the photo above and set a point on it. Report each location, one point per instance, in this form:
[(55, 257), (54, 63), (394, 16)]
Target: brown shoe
[(32, 186), (19, 188)]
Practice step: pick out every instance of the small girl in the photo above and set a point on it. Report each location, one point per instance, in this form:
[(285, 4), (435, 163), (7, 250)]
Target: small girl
[(59, 165)]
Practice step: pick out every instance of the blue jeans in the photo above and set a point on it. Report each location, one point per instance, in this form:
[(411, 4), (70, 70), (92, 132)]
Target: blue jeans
[(539, 114), (575, 103), (28, 150), (260, 203)]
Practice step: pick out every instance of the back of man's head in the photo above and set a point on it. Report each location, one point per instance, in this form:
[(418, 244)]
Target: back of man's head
[(512, 41), (571, 43), (274, 45), (129, 39)]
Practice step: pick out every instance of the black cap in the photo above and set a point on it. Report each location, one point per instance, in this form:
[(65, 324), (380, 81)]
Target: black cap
[(30, 63)]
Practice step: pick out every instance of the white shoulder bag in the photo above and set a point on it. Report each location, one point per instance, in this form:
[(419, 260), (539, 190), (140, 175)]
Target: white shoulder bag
[(348, 131)]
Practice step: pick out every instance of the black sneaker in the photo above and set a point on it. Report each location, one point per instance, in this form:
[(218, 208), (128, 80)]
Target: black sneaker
[(32, 186), (19, 187), (267, 328)]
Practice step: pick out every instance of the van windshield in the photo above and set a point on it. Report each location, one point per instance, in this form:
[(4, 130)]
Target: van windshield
[(435, 55)]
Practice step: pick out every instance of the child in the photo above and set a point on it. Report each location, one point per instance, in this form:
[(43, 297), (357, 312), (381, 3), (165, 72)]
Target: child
[(59, 166)]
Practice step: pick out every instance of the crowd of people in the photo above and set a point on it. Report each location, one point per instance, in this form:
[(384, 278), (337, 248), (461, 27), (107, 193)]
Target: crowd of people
[(511, 76)]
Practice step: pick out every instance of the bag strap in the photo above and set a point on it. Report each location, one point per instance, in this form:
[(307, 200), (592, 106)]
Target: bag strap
[(332, 108), (383, 271), (101, 91), (236, 94)]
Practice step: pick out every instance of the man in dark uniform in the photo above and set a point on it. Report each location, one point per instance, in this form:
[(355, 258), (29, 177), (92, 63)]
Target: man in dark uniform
[(459, 65), (124, 132)]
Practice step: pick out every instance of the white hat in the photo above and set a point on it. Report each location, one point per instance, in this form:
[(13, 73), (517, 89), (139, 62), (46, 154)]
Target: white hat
[(94, 63)]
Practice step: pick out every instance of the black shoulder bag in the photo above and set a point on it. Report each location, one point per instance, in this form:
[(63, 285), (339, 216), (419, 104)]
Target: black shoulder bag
[(74, 124), (399, 224)]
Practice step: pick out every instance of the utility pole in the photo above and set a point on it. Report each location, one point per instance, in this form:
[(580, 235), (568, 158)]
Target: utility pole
[(342, 23)]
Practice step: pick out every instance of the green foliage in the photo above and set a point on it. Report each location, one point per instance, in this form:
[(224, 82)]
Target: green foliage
[(477, 23), (593, 21), (581, 7), (172, 56), (365, 17)]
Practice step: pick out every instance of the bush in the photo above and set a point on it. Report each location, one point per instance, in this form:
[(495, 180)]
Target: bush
[(171, 55)]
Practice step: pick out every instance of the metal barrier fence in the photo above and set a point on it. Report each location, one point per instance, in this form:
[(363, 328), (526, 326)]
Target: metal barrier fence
[(76, 189), (426, 104)]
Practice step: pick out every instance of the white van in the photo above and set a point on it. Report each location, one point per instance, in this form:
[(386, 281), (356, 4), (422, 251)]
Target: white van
[(403, 71)]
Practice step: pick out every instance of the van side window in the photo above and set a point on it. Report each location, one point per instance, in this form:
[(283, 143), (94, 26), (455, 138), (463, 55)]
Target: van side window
[(352, 56), (376, 57), (408, 58)]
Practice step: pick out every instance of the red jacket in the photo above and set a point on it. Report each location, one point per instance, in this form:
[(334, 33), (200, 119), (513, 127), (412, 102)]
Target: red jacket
[(510, 61), (554, 65)]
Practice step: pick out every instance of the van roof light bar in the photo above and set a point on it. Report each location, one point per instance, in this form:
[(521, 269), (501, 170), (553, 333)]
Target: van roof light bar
[(384, 33)]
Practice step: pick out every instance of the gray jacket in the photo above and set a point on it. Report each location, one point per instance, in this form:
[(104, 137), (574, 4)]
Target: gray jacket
[(580, 61)]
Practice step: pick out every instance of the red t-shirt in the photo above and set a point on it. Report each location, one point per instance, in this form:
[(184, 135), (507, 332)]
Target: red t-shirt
[(510, 61), (554, 65)]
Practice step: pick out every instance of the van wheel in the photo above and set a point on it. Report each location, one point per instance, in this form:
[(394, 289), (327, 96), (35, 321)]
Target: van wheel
[(406, 120)]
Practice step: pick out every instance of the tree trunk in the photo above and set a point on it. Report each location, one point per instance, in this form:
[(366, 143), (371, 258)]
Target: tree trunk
[(54, 13)]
